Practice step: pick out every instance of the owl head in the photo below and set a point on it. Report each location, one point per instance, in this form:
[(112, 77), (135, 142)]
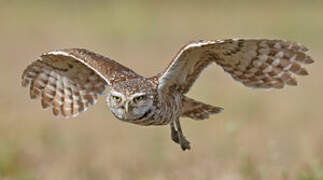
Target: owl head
[(131, 99)]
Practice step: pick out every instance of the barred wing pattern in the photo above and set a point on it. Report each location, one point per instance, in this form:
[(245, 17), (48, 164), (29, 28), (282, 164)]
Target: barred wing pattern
[(257, 63), (70, 80), (198, 110)]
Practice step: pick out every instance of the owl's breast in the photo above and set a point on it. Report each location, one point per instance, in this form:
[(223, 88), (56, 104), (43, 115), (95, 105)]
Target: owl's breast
[(169, 108)]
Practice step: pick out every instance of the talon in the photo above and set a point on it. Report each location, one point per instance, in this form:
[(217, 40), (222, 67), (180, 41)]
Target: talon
[(185, 144)]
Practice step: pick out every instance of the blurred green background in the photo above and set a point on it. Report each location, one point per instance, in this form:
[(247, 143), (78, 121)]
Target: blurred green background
[(260, 135)]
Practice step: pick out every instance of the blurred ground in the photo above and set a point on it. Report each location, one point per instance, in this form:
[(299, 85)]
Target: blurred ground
[(260, 135)]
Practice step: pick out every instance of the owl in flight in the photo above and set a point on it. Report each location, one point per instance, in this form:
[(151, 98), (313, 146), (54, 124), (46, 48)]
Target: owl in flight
[(69, 80)]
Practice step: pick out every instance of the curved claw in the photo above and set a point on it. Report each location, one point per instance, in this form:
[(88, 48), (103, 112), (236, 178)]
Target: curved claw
[(185, 144)]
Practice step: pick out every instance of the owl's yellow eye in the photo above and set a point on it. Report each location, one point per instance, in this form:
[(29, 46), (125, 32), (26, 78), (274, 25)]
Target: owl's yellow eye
[(138, 98), (116, 98)]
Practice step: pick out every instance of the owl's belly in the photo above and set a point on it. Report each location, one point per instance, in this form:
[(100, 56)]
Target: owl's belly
[(151, 117), (156, 119)]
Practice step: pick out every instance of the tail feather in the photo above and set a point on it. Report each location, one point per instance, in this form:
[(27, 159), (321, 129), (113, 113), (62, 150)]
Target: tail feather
[(198, 110)]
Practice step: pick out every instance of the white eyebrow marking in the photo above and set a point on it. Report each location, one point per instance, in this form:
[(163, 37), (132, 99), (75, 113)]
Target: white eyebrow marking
[(137, 94), (115, 93)]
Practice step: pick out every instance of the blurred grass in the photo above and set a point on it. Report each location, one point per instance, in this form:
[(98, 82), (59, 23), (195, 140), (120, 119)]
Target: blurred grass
[(260, 135)]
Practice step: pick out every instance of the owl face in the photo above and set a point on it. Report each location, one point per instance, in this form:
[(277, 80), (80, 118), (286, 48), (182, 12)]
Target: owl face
[(130, 103)]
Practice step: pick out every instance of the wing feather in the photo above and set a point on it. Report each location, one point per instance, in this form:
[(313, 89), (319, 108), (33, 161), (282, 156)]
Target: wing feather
[(257, 63), (197, 110), (70, 80)]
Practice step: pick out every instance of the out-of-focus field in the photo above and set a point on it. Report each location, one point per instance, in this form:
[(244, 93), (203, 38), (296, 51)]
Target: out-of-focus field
[(260, 135)]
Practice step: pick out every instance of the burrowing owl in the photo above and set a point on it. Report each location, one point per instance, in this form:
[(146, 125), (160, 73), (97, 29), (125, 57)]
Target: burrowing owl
[(69, 80)]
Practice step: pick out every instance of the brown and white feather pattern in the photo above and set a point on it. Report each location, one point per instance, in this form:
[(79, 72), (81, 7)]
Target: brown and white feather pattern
[(257, 63), (70, 80), (197, 110)]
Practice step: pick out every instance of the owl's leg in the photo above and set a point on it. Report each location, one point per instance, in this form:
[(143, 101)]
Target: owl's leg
[(185, 144), (173, 133)]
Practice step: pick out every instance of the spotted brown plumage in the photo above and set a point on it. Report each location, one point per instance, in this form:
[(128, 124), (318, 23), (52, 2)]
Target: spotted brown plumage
[(256, 63), (69, 80)]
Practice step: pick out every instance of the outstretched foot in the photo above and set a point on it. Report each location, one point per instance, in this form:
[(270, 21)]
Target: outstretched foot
[(185, 144), (178, 137)]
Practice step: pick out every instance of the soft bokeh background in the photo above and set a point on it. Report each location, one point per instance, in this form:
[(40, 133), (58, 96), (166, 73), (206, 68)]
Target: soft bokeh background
[(260, 135)]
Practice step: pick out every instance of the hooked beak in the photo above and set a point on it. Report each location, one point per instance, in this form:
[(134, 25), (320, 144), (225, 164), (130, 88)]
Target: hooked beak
[(126, 107)]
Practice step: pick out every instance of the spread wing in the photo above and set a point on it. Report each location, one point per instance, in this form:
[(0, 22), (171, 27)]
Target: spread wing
[(257, 63), (70, 80)]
